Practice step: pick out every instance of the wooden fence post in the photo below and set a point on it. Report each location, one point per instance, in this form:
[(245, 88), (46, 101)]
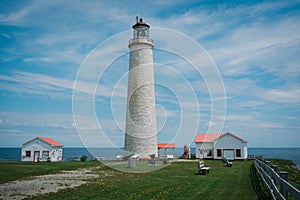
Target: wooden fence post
[(275, 167), (283, 191)]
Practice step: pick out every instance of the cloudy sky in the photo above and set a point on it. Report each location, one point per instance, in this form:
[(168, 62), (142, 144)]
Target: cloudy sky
[(219, 67)]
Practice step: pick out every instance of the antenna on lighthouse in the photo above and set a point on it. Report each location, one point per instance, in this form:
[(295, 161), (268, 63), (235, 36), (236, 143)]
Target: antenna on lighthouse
[(137, 19)]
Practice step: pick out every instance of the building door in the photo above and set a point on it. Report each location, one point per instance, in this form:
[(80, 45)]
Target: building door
[(229, 154), (201, 153), (36, 156)]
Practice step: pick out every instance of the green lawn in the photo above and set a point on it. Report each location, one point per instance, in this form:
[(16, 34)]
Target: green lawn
[(176, 181), (15, 170)]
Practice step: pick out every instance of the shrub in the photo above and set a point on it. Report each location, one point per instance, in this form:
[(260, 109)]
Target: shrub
[(83, 158)]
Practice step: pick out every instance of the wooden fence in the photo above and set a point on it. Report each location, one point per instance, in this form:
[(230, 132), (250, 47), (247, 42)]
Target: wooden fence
[(277, 185)]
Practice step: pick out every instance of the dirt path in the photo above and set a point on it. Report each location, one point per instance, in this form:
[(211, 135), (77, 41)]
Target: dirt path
[(43, 184)]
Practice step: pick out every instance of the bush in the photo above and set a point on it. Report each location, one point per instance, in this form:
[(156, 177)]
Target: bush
[(83, 158)]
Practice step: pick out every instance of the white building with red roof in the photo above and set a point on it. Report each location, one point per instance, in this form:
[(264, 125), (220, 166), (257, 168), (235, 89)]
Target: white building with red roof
[(218, 146), (41, 149), (166, 146)]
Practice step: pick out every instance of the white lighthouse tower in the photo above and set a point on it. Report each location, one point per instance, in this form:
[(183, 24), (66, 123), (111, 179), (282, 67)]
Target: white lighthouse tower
[(140, 132)]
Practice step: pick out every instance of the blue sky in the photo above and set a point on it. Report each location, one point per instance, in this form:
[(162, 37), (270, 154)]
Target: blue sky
[(254, 48)]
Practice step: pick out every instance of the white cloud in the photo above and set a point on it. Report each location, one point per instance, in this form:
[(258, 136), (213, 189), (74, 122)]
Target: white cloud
[(33, 83), (256, 48), (20, 82), (252, 121), (10, 131), (18, 119), (284, 95)]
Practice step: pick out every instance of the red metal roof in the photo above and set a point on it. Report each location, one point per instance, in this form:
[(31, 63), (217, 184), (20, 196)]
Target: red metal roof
[(166, 146), (213, 137), (51, 141), (207, 137)]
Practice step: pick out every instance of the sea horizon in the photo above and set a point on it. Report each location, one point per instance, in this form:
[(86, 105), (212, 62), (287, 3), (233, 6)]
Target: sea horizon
[(14, 153)]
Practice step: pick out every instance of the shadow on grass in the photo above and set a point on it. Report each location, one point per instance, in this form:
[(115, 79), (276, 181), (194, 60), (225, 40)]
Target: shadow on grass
[(201, 174), (197, 174), (257, 184)]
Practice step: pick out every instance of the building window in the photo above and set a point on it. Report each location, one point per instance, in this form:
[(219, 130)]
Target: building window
[(219, 152), (238, 153), (59, 152), (27, 154), (45, 154), (209, 153)]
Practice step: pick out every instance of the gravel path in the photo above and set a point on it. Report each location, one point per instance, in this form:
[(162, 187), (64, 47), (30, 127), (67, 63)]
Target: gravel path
[(43, 184)]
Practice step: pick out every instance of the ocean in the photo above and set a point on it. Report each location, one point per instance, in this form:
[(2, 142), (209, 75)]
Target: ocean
[(14, 154)]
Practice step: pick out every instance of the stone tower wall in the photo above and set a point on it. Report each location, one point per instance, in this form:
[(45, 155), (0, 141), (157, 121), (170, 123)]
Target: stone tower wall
[(141, 136)]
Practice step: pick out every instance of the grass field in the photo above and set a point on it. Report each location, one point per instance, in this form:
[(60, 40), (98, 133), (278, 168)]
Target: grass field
[(176, 181), (16, 170)]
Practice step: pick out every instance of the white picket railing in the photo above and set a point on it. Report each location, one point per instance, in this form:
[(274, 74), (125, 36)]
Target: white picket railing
[(273, 181)]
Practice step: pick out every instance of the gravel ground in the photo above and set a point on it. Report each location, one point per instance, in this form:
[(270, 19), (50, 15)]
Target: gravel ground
[(37, 185)]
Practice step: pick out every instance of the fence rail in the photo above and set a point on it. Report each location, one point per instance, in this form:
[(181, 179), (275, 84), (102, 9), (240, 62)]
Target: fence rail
[(277, 186)]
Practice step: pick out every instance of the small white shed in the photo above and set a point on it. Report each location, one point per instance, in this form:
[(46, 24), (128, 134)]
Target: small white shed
[(41, 149), (217, 146)]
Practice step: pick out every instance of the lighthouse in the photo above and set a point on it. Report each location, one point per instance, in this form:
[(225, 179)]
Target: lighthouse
[(140, 131)]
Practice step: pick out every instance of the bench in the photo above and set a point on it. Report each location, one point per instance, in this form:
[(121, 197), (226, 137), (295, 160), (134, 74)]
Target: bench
[(202, 169), (228, 163), (118, 157), (170, 157)]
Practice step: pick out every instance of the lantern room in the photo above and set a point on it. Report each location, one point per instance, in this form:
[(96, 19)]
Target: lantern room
[(141, 29)]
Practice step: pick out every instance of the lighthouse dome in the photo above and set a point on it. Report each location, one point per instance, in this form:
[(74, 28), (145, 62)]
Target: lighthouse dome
[(139, 23)]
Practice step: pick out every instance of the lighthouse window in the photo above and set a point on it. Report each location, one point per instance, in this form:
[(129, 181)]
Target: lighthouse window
[(140, 33)]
